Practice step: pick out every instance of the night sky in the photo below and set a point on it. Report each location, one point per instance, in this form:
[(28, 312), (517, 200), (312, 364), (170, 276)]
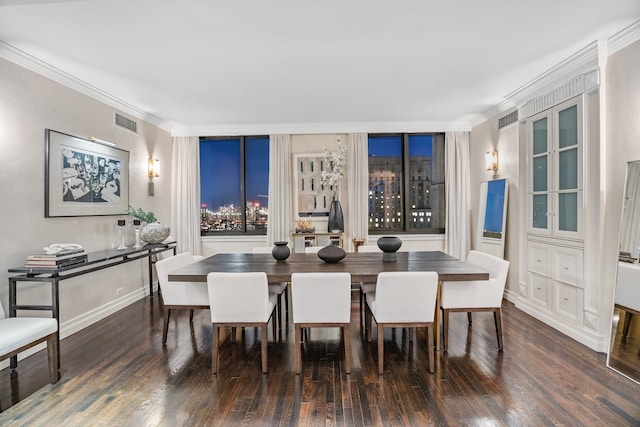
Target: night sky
[(220, 165)]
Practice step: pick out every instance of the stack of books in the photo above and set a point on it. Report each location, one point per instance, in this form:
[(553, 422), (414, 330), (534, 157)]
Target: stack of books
[(56, 260)]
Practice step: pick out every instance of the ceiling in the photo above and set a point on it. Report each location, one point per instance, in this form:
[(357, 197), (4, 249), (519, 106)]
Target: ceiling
[(198, 63)]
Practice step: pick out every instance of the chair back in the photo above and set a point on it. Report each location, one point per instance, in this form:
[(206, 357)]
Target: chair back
[(478, 293), (180, 293), (2, 315), (369, 248), (321, 297), (313, 249), (239, 297), (405, 297), (262, 250)]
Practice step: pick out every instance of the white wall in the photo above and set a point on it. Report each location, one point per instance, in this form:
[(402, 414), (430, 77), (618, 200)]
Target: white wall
[(29, 103), (487, 137)]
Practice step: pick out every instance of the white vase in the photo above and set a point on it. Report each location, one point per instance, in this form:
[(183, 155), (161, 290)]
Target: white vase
[(154, 233)]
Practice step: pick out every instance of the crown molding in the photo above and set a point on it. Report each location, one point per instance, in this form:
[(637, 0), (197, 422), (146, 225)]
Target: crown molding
[(492, 112), (319, 128), (36, 65), (624, 38)]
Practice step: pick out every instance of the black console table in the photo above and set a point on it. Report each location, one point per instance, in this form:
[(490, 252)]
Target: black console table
[(95, 261)]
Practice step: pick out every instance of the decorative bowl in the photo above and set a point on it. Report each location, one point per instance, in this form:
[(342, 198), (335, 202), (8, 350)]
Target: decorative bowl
[(389, 246), (331, 254)]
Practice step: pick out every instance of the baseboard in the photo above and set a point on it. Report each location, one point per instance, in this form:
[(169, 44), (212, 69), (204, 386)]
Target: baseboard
[(575, 332), (511, 296), (77, 324)]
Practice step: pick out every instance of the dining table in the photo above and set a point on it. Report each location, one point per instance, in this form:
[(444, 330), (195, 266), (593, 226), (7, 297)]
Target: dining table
[(363, 267)]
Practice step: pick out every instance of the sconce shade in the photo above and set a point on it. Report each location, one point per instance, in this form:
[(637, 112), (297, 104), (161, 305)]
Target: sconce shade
[(491, 160), (154, 168)]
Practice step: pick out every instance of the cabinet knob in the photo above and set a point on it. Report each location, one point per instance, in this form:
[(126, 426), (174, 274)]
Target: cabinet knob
[(566, 299)]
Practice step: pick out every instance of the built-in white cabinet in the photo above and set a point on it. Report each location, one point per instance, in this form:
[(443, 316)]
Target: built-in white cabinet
[(556, 279), (555, 168)]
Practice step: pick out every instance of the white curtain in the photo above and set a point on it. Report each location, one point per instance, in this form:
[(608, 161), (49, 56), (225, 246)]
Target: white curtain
[(185, 191), (280, 189), (358, 185), (458, 212)]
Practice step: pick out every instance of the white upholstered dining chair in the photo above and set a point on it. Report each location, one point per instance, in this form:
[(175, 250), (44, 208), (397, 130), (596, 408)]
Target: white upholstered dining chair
[(403, 299), (321, 300), (240, 299), (478, 295), (280, 289), (18, 334), (179, 295), (366, 287)]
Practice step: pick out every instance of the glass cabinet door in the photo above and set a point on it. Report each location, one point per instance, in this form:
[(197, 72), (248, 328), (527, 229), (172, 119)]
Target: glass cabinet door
[(568, 161), (540, 173)]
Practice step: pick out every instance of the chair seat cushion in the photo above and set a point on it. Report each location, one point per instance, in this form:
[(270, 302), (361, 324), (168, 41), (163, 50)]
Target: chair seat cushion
[(16, 332)]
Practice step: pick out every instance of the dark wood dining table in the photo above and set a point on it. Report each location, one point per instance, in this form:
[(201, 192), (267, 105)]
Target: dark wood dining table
[(363, 267)]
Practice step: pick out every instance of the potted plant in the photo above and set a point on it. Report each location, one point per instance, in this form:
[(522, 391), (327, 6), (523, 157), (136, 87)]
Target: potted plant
[(152, 231)]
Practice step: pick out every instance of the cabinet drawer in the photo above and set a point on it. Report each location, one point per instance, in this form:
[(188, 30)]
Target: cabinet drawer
[(567, 267), (540, 259), (539, 289), (569, 302)]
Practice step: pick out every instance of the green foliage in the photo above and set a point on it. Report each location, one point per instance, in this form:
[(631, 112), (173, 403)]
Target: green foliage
[(147, 217)]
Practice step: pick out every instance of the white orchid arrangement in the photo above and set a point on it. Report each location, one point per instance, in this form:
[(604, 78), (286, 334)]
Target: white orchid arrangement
[(336, 165)]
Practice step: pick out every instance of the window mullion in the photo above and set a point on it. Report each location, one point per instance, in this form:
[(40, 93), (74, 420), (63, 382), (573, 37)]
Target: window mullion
[(406, 214), (243, 192)]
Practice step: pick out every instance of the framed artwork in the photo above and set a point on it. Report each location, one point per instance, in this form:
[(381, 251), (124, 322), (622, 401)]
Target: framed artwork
[(311, 197), (84, 178)]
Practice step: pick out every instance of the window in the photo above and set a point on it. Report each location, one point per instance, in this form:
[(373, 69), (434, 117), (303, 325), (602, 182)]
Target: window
[(234, 173), (406, 183)]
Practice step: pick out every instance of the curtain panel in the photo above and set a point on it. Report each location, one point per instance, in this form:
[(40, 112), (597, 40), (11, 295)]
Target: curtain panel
[(458, 196), (358, 184), (185, 191), (280, 189)]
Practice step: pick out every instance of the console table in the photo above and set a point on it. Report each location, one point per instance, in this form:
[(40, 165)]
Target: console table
[(95, 261)]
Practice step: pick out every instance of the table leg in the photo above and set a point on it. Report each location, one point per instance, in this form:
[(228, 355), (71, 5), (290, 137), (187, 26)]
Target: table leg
[(12, 313), (436, 319), (150, 275), (55, 303)]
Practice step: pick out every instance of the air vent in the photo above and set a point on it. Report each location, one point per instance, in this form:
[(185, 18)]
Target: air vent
[(508, 119), (126, 123)]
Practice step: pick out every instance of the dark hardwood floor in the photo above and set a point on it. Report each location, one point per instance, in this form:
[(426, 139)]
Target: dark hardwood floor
[(116, 373)]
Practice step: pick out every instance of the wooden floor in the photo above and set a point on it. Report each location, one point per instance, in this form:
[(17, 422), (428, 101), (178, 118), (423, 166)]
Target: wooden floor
[(116, 373)]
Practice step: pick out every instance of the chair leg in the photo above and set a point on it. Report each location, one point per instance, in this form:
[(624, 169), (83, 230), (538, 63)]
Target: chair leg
[(274, 330), (497, 317), (347, 347), (214, 349), (279, 311), (296, 340), (52, 355), (430, 348), (362, 312), (263, 347), (380, 349), (165, 328), (191, 315), (368, 321), (445, 329), (469, 317)]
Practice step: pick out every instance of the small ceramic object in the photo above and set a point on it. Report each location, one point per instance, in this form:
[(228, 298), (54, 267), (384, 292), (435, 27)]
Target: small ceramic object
[(331, 254)]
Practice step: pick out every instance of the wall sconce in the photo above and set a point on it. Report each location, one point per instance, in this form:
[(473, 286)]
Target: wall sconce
[(154, 168), (491, 160), (154, 171)]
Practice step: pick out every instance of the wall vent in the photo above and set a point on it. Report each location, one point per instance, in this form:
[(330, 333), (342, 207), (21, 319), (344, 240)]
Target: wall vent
[(508, 119), (126, 123)]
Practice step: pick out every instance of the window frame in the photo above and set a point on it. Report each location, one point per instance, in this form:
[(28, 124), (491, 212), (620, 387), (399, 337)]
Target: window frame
[(243, 188), (406, 182)]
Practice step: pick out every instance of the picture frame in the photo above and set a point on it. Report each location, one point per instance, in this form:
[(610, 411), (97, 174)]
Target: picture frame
[(84, 178), (311, 197)]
